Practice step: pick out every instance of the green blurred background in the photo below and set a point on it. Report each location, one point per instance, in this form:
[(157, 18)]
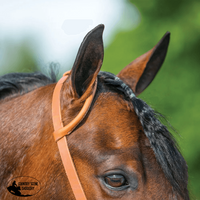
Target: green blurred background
[(175, 91)]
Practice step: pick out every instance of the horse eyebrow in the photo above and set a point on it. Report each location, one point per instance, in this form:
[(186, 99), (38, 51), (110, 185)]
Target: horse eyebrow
[(104, 154), (16, 84)]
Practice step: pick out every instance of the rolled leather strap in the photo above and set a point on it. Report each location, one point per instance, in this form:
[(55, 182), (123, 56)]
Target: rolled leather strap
[(61, 131)]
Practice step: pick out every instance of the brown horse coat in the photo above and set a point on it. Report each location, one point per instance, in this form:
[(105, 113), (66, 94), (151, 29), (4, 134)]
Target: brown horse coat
[(120, 149)]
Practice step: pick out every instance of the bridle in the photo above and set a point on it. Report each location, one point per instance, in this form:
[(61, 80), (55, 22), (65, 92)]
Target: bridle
[(60, 131)]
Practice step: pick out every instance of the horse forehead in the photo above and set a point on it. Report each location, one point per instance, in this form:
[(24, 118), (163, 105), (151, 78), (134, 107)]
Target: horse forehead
[(114, 122), (115, 110), (110, 102)]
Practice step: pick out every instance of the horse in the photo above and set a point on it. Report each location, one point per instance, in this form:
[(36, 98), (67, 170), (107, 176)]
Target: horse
[(120, 149)]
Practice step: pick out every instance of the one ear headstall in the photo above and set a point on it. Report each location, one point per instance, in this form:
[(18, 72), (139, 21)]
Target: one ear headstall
[(61, 131)]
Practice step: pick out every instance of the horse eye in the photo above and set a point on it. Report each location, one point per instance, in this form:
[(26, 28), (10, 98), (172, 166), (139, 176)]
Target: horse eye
[(116, 181)]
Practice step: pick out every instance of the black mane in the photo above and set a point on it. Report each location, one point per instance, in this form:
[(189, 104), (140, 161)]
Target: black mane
[(14, 84), (161, 140)]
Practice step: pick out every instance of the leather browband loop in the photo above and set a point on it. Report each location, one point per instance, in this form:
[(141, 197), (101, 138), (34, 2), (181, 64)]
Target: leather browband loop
[(61, 131), (66, 130)]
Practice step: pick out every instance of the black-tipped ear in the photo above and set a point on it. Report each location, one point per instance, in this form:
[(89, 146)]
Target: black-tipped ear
[(153, 65), (140, 73), (88, 61)]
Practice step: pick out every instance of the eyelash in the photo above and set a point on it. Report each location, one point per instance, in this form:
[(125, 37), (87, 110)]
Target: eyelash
[(113, 178)]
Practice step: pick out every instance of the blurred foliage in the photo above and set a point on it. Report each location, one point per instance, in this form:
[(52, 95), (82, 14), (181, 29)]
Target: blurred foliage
[(17, 57), (175, 92)]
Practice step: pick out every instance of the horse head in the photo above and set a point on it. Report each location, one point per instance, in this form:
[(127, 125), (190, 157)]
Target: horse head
[(120, 149)]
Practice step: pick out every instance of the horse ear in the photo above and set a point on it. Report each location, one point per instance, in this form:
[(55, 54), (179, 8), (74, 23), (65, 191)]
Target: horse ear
[(139, 73), (88, 61)]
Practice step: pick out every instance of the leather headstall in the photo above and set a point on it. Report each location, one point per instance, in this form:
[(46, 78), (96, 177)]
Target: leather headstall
[(61, 131)]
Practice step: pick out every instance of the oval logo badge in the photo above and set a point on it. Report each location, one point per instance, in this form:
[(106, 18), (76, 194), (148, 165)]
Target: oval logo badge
[(23, 186)]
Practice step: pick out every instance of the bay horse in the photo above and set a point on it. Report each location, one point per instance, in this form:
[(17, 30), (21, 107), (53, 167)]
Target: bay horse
[(120, 149)]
